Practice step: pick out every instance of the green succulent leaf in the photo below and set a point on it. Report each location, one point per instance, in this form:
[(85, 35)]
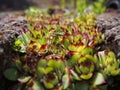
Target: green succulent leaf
[(65, 81), (111, 55), (26, 68), (77, 69), (84, 69), (55, 80), (24, 79), (48, 70), (61, 65), (99, 79), (42, 63), (82, 59), (18, 64), (66, 43), (86, 76), (21, 42), (40, 71), (102, 87), (80, 49), (74, 75), (48, 85), (72, 48), (52, 63), (36, 86), (115, 72), (82, 86), (75, 58), (90, 57), (86, 51), (11, 74)]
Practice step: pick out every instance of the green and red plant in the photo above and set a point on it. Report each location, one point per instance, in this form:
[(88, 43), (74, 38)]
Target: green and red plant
[(60, 54)]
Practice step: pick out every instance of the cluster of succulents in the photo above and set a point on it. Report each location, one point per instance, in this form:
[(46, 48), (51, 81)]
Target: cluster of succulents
[(58, 54)]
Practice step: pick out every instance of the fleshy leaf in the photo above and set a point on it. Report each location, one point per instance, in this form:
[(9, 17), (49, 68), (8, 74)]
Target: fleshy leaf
[(86, 51), (52, 63), (82, 86), (18, 64), (66, 43), (40, 71), (115, 72), (72, 48), (74, 75), (65, 81), (48, 70), (48, 85), (75, 57), (80, 48), (60, 65), (24, 79), (36, 86), (11, 74), (86, 76), (26, 68), (99, 79), (42, 63)]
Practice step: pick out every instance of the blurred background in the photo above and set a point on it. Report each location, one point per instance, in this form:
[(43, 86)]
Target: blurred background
[(80, 5), (23, 4)]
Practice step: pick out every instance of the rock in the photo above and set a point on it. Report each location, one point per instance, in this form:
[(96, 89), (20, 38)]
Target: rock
[(10, 25), (109, 24)]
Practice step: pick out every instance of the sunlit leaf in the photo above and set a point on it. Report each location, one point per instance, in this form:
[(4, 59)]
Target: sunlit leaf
[(48, 85), (40, 71), (112, 55), (36, 86), (24, 79), (80, 48), (65, 81), (61, 65), (72, 47), (84, 69), (75, 58), (86, 76), (52, 63), (74, 75), (48, 70), (99, 79), (115, 72), (86, 51)]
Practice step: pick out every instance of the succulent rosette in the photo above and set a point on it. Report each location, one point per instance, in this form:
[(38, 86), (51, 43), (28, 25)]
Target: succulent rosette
[(108, 63), (83, 62), (53, 73)]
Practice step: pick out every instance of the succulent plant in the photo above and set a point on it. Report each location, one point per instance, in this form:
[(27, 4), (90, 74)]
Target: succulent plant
[(108, 63), (60, 54)]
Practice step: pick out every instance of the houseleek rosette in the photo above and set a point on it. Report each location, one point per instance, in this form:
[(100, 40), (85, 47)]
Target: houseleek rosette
[(83, 62), (108, 63), (52, 74)]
